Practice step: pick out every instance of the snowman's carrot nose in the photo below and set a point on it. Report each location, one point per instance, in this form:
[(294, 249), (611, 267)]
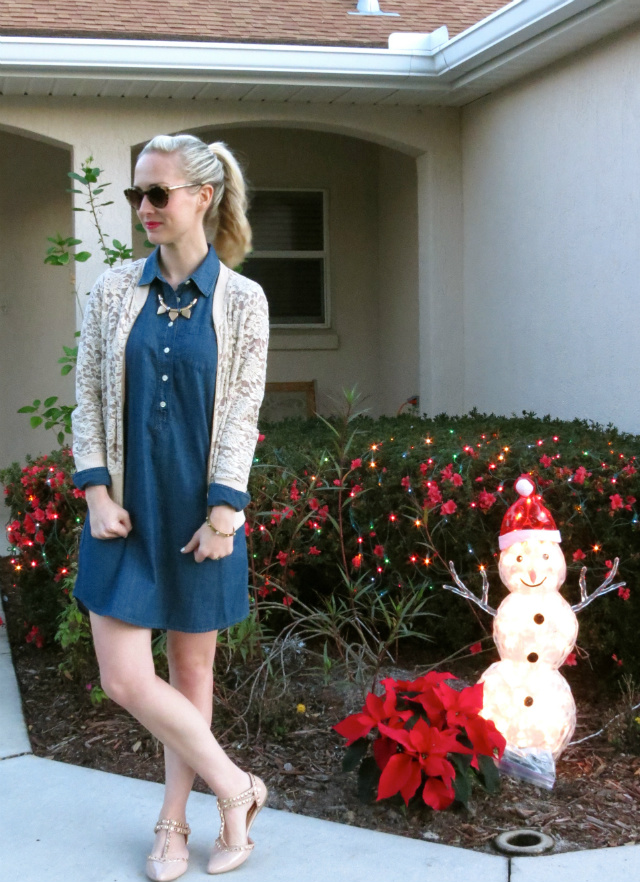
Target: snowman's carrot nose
[(532, 576)]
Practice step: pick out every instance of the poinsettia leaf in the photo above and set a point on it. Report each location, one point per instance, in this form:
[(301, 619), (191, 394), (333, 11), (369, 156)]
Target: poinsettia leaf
[(462, 787), (368, 777), (489, 775), (354, 754)]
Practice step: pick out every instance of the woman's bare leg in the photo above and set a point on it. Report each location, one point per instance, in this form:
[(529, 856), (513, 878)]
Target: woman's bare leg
[(190, 658), (128, 676)]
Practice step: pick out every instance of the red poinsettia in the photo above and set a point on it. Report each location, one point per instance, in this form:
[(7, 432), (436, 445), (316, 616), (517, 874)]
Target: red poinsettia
[(428, 733)]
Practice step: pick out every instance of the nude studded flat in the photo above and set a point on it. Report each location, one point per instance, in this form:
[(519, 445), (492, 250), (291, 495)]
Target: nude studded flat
[(163, 868)]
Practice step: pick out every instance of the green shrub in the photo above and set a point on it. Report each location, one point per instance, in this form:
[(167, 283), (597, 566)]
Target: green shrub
[(383, 505)]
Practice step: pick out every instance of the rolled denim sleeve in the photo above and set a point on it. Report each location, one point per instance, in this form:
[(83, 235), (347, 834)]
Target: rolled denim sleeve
[(220, 494), (92, 477)]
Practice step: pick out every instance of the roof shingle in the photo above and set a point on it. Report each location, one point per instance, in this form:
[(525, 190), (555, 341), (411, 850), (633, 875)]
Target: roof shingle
[(300, 22)]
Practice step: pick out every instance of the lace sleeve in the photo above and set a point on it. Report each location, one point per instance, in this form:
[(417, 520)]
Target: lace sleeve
[(240, 431), (89, 443)]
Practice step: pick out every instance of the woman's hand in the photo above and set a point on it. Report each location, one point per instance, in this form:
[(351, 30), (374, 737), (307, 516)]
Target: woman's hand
[(205, 543), (108, 519)]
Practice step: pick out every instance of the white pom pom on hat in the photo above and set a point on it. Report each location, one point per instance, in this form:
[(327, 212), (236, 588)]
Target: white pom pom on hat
[(525, 486)]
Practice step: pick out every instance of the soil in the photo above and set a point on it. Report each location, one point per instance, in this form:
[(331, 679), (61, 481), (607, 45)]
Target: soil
[(595, 802)]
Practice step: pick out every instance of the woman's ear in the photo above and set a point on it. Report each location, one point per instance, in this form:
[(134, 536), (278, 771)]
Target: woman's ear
[(206, 195)]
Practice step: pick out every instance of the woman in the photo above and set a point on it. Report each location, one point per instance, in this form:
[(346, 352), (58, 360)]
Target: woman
[(171, 372)]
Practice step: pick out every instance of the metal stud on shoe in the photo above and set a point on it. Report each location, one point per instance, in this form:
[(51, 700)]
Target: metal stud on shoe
[(163, 868)]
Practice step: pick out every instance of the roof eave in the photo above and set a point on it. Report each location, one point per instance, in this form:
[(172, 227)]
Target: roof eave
[(519, 38)]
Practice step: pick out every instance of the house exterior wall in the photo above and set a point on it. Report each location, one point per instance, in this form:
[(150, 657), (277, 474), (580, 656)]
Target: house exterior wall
[(552, 241)]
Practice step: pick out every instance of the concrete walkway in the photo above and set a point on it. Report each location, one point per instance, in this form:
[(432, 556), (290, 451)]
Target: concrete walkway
[(63, 823)]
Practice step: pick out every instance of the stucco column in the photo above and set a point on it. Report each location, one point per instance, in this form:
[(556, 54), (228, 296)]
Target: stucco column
[(441, 296), (112, 154)]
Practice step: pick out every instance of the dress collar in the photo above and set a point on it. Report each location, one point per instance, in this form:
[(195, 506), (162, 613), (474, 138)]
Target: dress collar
[(204, 277)]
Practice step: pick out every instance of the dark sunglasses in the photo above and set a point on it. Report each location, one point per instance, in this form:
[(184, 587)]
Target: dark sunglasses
[(157, 195)]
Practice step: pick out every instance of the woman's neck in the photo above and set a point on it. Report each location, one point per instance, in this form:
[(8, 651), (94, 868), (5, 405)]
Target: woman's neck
[(178, 261)]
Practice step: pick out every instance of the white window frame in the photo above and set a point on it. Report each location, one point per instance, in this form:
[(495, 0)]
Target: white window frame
[(324, 254)]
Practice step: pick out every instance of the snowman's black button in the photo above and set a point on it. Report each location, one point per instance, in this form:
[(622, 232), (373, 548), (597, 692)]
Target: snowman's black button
[(538, 618), (532, 657), (528, 701)]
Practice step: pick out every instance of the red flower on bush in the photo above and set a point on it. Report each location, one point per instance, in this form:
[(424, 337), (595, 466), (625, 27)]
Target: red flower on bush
[(616, 502), (448, 507), (35, 636), (579, 554), (314, 550), (456, 480), (486, 500), (580, 474), (545, 461), (283, 558), (379, 550), (356, 463), (421, 726), (434, 496), (477, 647), (571, 660), (356, 562), (624, 593), (294, 493), (406, 483)]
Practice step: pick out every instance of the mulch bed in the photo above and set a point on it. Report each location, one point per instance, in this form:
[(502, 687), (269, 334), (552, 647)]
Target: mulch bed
[(595, 801)]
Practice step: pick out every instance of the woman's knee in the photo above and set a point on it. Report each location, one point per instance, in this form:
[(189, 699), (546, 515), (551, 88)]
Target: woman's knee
[(123, 688)]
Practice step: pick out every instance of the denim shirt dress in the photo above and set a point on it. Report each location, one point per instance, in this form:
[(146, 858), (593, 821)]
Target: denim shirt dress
[(170, 380)]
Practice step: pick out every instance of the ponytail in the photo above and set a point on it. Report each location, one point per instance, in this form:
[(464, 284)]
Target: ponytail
[(226, 224)]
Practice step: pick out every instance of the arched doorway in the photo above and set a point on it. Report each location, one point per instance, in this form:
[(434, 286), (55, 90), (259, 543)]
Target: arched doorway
[(37, 311), (368, 333)]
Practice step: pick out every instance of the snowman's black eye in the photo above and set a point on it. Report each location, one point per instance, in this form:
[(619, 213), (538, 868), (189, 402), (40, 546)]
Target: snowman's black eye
[(519, 558), (545, 557)]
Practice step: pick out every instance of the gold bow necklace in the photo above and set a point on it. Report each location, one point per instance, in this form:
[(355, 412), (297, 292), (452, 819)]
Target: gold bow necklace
[(175, 311)]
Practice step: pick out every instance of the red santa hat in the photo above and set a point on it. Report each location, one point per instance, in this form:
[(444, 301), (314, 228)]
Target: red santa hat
[(527, 518)]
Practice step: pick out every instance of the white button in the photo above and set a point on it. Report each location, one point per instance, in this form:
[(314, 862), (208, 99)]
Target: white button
[(170, 324), (166, 349), (163, 404), (165, 378)]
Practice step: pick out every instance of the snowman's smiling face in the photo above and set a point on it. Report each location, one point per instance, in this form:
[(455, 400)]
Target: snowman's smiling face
[(532, 567)]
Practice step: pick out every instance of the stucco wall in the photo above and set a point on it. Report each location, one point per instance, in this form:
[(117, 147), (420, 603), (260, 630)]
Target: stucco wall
[(36, 301), (552, 241), (399, 336)]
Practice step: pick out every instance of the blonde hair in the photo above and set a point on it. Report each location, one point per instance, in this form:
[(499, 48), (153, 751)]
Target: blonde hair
[(225, 221)]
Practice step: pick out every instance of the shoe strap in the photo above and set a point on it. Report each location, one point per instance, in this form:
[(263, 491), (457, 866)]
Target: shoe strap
[(248, 795), (173, 827)]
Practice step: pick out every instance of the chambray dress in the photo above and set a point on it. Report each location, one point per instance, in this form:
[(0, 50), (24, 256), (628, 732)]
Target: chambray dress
[(170, 380)]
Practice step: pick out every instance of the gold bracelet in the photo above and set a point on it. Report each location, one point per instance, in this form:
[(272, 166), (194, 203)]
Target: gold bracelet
[(219, 532)]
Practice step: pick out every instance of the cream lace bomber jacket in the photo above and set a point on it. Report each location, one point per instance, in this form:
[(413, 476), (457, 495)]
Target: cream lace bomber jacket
[(241, 322)]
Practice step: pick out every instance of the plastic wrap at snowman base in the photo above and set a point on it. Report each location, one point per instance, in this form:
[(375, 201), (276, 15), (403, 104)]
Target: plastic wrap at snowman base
[(534, 629)]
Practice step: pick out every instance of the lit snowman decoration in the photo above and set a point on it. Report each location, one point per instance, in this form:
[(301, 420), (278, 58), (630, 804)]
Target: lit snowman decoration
[(535, 629)]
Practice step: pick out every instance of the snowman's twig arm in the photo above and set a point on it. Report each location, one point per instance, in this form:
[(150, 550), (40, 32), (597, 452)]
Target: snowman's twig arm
[(461, 589), (605, 588)]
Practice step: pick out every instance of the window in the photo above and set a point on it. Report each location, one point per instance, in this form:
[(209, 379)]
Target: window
[(289, 258)]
